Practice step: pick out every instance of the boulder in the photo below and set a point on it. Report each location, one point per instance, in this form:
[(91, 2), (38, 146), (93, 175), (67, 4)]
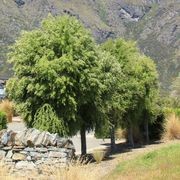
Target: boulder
[(19, 157), (56, 154), (25, 165)]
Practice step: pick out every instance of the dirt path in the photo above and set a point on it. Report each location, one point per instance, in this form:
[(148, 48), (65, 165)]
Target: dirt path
[(105, 167)]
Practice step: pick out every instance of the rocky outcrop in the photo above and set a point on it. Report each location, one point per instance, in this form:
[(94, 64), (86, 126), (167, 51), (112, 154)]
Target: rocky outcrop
[(32, 150), (154, 24)]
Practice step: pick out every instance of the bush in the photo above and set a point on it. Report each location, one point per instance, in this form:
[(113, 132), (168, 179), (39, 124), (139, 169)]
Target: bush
[(47, 120), (7, 107), (121, 133), (98, 155), (172, 127), (3, 120)]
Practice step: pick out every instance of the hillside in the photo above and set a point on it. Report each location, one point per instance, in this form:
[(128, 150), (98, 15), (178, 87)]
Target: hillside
[(153, 23)]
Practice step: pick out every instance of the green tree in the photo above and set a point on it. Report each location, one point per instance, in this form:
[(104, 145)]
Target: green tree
[(136, 82), (57, 64), (175, 93)]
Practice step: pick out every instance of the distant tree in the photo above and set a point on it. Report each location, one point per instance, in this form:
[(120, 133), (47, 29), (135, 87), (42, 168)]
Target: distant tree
[(57, 64), (136, 84), (176, 88)]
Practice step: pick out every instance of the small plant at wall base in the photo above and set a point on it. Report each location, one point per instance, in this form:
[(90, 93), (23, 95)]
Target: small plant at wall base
[(7, 107), (47, 120), (3, 121), (98, 155)]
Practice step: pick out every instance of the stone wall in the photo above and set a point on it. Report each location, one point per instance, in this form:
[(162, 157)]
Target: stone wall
[(32, 150)]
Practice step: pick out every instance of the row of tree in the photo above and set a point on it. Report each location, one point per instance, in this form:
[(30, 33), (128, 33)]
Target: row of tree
[(60, 70)]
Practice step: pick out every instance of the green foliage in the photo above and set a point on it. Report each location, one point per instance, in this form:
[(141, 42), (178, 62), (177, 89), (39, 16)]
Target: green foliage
[(3, 121), (175, 93), (133, 91), (46, 120), (56, 64)]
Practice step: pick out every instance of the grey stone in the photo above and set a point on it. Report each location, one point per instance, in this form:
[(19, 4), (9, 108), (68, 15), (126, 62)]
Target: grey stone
[(36, 155), (39, 140), (2, 154), (32, 136), (24, 152), (25, 165), (7, 148), (54, 154), (19, 157), (9, 154), (46, 139), (42, 150), (30, 149), (28, 158), (53, 139)]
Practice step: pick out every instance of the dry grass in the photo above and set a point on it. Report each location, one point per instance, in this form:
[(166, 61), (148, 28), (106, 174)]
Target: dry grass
[(7, 107), (120, 133), (172, 128), (159, 164), (78, 170), (98, 155)]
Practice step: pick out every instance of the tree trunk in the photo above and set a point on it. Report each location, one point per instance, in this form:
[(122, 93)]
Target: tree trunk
[(83, 140), (113, 144), (130, 135), (146, 127)]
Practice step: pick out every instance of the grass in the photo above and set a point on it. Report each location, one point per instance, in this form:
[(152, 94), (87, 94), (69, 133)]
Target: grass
[(78, 170), (172, 127), (7, 107), (98, 155), (162, 164)]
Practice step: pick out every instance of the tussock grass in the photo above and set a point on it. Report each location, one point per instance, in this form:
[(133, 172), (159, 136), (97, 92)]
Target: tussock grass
[(98, 155), (159, 164), (120, 133), (171, 128), (7, 107)]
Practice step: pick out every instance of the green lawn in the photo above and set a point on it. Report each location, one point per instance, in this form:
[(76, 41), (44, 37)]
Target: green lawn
[(162, 164)]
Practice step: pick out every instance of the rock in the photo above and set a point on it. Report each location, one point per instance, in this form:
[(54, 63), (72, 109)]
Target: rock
[(28, 158), (5, 138), (30, 149), (19, 157), (32, 137), (24, 152), (42, 150), (19, 147), (2, 154), (56, 154), (7, 148), (16, 150), (36, 155), (46, 139), (53, 139), (9, 154), (39, 140), (25, 165)]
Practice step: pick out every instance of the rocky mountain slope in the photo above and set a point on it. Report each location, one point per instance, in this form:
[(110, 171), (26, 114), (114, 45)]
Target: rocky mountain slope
[(154, 24)]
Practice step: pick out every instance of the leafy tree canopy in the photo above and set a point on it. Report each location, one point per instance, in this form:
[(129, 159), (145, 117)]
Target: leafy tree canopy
[(56, 64)]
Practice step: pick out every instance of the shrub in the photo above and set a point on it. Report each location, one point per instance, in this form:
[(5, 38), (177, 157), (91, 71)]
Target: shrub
[(47, 120), (7, 107), (98, 155), (172, 127), (120, 133), (3, 120)]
